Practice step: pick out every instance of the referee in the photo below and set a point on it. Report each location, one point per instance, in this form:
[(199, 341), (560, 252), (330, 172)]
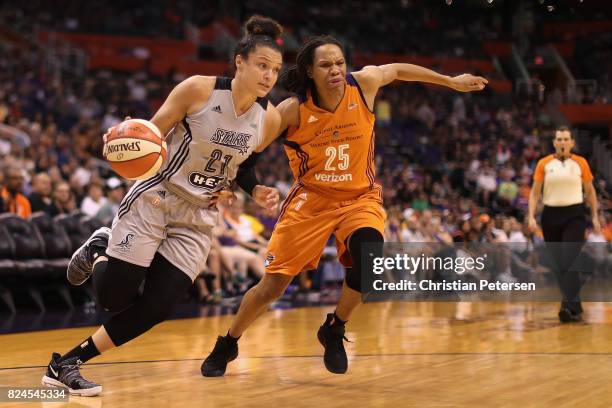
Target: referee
[(566, 178)]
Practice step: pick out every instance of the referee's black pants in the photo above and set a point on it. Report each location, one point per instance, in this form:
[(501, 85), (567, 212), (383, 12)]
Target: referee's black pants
[(564, 229)]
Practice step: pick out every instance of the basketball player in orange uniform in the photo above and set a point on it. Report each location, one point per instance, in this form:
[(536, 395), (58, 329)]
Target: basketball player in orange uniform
[(329, 139), (161, 236)]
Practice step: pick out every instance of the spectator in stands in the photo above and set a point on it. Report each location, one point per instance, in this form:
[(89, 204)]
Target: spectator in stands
[(63, 198), (216, 265), (116, 192), (411, 231), (517, 236), (487, 184), (421, 202), (383, 111), (241, 245), (248, 228), (263, 222), (40, 198), (507, 191), (94, 201), (392, 226), (503, 153), (12, 194), (436, 231), (494, 230)]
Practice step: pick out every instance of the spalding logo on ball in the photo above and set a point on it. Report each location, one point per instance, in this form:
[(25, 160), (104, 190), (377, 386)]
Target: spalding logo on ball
[(135, 149)]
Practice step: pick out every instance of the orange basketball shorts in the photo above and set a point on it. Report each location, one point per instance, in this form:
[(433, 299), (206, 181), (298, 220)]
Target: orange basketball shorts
[(307, 220)]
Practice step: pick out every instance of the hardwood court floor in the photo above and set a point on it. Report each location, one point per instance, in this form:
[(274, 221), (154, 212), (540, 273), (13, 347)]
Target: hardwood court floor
[(402, 355)]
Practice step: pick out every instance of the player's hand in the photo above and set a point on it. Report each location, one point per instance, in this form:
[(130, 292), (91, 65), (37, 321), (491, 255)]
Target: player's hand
[(468, 83), (532, 224), (266, 197), (223, 197), (108, 132), (596, 225)]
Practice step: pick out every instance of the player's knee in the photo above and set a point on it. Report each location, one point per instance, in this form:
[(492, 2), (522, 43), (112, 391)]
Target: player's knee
[(363, 236), (117, 285), (268, 290), (269, 294), (113, 299)]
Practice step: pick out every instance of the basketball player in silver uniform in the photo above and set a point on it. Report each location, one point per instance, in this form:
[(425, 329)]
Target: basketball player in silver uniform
[(161, 235)]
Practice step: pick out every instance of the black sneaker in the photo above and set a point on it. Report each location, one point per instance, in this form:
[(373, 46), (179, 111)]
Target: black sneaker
[(215, 364), (79, 268), (331, 338), (67, 375), (567, 316)]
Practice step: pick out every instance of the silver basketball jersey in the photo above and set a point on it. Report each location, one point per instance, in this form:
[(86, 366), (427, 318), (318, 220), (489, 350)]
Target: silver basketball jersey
[(206, 148)]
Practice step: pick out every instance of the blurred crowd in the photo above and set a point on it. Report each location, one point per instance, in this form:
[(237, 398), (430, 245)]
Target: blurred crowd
[(593, 61), (441, 29)]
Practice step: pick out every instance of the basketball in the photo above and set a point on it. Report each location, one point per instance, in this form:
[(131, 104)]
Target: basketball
[(135, 149)]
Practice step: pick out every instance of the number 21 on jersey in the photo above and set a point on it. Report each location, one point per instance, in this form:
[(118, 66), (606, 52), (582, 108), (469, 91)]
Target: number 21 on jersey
[(215, 156)]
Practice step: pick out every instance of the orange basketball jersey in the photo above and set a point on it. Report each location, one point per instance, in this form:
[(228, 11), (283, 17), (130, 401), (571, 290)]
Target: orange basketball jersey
[(332, 153)]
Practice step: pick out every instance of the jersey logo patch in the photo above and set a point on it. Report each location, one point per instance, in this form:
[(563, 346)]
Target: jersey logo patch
[(231, 139), (269, 259), (204, 181), (303, 197), (126, 242), (217, 109), (312, 119), (352, 106)]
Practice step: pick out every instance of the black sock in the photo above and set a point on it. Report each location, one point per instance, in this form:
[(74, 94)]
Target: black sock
[(232, 338), (84, 352), (338, 321)]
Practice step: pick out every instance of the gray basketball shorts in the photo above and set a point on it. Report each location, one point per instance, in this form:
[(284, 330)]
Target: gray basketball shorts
[(152, 219)]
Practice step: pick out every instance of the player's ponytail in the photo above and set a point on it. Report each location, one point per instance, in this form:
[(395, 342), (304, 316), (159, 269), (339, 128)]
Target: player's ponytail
[(265, 26), (296, 79), (259, 30)]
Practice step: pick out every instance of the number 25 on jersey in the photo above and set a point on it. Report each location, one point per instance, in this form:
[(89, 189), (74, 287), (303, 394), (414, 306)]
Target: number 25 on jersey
[(341, 152)]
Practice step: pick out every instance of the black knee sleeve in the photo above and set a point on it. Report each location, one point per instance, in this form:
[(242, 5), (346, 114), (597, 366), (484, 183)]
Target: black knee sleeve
[(356, 242), (116, 283), (165, 285)]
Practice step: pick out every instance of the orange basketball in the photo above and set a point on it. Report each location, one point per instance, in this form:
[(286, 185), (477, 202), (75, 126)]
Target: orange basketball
[(135, 149)]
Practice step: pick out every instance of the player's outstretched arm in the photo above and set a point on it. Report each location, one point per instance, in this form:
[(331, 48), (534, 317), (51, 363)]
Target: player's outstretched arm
[(371, 78)]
